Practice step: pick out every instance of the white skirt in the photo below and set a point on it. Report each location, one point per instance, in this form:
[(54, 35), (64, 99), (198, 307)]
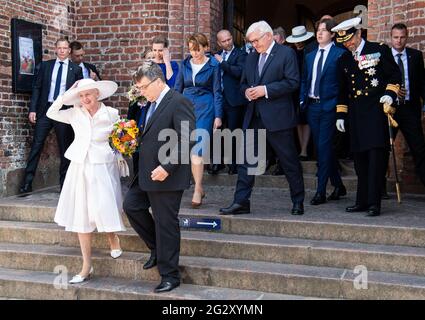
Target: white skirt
[(91, 198)]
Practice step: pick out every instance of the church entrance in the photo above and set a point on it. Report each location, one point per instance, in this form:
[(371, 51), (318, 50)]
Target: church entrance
[(239, 14)]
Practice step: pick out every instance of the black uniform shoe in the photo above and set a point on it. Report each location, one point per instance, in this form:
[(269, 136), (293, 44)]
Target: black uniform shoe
[(337, 193), (356, 208), (25, 188), (150, 263), (318, 199), (297, 209), (165, 286), (373, 211), (235, 208)]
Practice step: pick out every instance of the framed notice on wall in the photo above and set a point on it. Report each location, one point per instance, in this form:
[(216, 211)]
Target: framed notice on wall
[(26, 53)]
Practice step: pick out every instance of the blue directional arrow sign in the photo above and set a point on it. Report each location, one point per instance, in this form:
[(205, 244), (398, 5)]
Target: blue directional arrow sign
[(198, 223)]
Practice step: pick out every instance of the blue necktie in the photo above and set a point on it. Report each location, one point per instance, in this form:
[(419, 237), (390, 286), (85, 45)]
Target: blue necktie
[(58, 81), (318, 74), (222, 71), (151, 110)]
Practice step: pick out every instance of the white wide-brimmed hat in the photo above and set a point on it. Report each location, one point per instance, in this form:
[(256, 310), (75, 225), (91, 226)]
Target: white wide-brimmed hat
[(106, 89), (299, 34)]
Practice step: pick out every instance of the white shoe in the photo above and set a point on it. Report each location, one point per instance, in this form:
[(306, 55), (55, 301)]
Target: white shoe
[(116, 253), (78, 279)]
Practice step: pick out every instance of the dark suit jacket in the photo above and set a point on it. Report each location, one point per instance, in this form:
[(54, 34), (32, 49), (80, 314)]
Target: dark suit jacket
[(232, 74), (415, 63), (41, 85), (92, 67), (329, 85), (281, 77), (170, 113)]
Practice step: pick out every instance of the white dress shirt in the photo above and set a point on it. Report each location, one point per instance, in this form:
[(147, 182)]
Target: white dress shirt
[(406, 69), (86, 72), (54, 76), (316, 61), (359, 48)]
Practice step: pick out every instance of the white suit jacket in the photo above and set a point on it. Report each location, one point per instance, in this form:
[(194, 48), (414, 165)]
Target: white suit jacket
[(91, 133)]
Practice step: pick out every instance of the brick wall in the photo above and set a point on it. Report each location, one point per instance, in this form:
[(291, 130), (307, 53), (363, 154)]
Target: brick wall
[(15, 130), (115, 33), (383, 14)]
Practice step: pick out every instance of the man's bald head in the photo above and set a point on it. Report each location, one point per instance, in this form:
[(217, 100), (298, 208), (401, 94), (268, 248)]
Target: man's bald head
[(225, 40)]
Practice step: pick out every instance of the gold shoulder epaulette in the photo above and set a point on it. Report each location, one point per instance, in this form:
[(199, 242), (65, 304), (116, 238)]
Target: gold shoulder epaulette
[(342, 108)]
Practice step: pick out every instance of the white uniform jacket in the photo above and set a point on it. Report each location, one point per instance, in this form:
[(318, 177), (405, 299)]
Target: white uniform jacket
[(91, 133)]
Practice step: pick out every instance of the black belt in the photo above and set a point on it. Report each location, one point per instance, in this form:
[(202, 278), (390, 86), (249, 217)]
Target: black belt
[(314, 100)]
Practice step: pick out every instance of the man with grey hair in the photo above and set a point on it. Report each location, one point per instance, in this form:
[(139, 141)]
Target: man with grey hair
[(160, 183), (270, 77), (279, 35)]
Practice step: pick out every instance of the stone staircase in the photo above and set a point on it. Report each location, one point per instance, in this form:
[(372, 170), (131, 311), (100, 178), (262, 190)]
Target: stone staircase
[(268, 254)]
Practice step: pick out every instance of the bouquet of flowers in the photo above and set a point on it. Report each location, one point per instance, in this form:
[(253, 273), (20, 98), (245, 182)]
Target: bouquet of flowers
[(123, 137), (134, 95)]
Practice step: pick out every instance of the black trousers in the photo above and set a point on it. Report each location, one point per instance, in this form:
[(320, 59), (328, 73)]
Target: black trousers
[(283, 144), (409, 120), (64, 136), (370, 167), (160, 231), (233, 117)]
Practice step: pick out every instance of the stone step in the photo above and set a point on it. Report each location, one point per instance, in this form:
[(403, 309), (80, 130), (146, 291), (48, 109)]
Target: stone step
[(290, 279), (270, 181), (26, 284), (401, 229), (401, 259)]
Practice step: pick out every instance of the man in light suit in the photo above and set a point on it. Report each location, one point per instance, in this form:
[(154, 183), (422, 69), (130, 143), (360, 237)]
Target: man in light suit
[(319, 97), (232, 62), (161, 182), (54, 77), (270, 77)]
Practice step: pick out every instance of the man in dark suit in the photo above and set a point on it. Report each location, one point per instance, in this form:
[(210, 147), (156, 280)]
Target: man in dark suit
[(161, 181), (77, 56), (409, 104), (270, 77), (54, 77), (319, 97), (232, 63), (369, 82)]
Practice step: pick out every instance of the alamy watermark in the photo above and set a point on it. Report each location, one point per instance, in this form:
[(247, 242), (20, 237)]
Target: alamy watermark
[(180, 145)]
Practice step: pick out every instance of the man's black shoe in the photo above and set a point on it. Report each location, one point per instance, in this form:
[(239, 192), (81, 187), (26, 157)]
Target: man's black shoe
[(318, 199), (297, 209), (385, 195), (278, 171), (150, 263), (165, 286), (25, 188), (337, 193), (233, 169), (356, 208), (215, 168), (235, 208), (373, 211)]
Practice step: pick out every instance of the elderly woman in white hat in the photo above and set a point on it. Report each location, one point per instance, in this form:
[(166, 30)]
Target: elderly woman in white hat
[(300, 37), (91, 196)]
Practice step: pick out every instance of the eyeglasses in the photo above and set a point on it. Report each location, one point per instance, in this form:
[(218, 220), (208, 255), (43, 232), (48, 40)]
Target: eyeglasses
[(146, 85), (253, 42)]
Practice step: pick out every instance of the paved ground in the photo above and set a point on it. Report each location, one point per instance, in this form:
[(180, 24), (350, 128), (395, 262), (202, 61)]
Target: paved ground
[(271, 203)]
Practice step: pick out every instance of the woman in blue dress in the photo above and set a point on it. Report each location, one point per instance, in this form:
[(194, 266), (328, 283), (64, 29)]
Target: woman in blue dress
[(163, 59), (199, 80)]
